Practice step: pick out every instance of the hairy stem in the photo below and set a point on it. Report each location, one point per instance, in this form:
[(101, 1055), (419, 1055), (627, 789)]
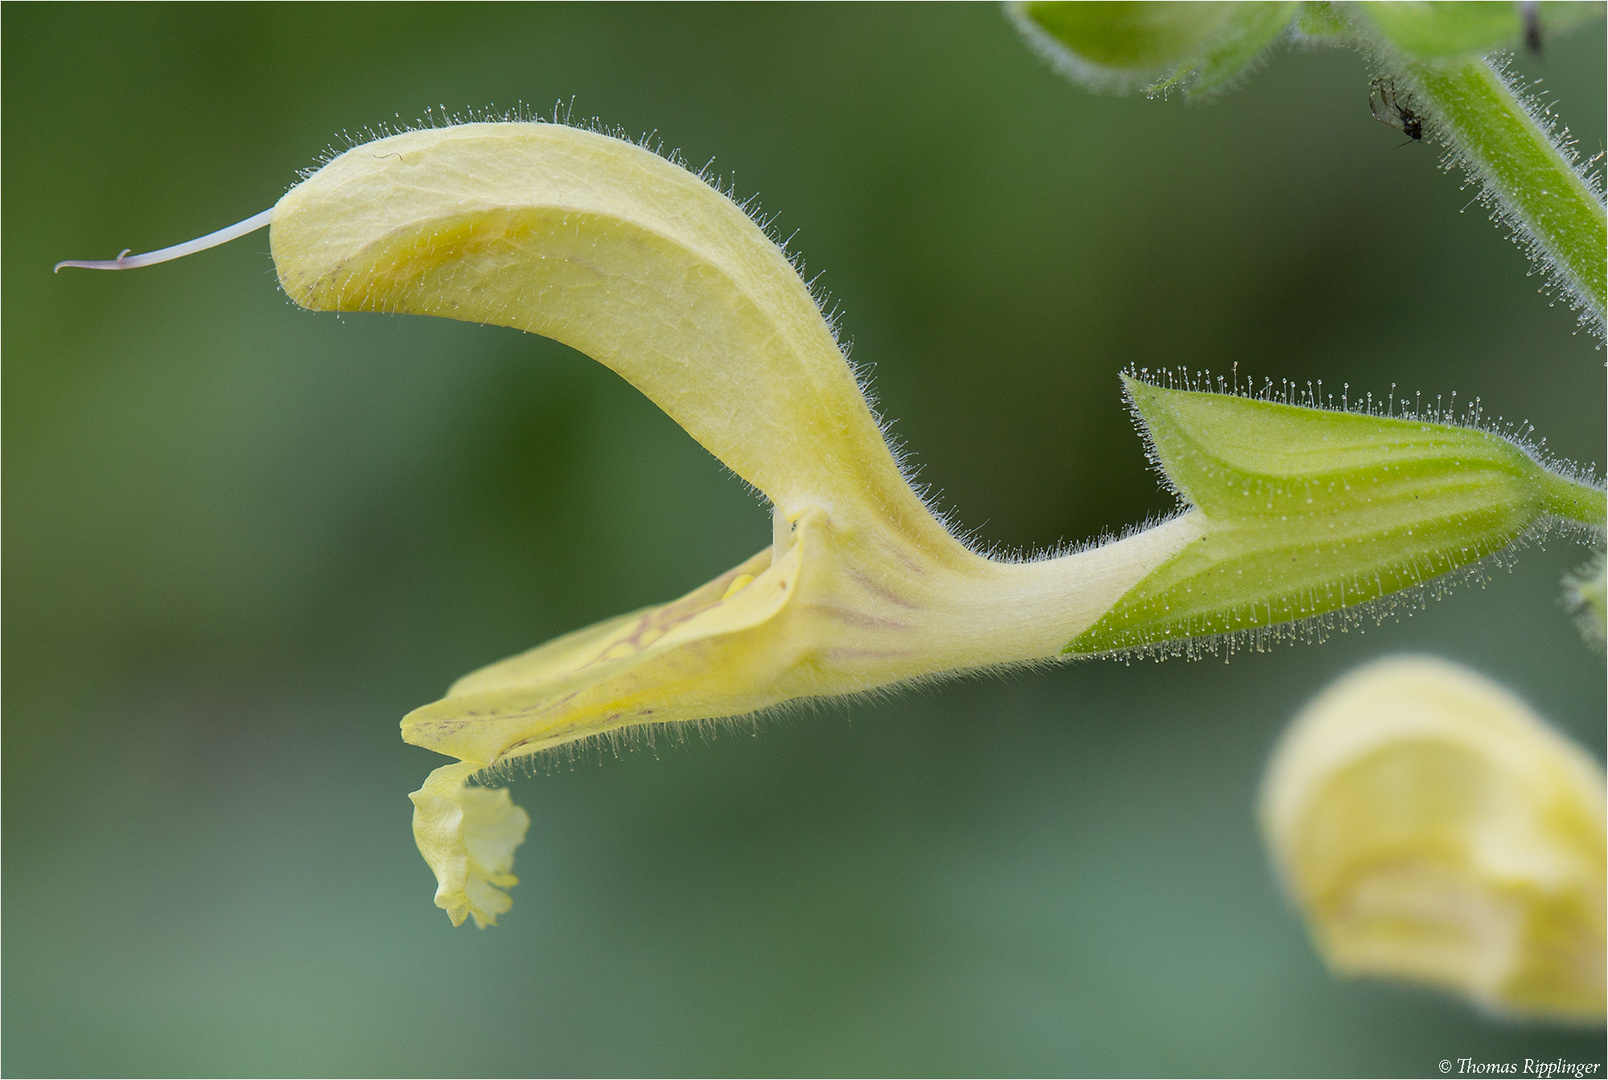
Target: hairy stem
[(1532, 177)]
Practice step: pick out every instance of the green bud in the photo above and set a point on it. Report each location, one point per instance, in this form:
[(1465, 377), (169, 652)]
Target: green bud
[(1128, 46), (1472, 27), (1309, 511)]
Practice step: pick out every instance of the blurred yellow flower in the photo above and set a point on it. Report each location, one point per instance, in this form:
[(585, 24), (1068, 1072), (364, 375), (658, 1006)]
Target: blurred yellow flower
[(1432, 828)]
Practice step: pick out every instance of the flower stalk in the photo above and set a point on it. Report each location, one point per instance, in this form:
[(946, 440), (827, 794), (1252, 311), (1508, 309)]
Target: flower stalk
[(1532, 181)]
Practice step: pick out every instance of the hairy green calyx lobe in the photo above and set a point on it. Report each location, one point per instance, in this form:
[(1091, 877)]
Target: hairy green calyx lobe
[(1310, 511)]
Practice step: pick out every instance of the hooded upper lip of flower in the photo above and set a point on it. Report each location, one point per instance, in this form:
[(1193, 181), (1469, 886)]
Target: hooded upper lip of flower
[(643, 266)]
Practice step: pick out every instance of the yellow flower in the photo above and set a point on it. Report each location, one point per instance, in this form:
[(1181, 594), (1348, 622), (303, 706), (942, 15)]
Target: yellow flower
[(1294, 512), (1432, 828), (643, 266)]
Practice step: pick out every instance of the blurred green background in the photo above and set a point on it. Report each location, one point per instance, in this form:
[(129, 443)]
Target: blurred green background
[(242, 540)]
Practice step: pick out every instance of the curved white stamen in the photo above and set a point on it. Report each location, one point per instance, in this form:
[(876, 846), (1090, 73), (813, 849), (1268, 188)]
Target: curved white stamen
[(177, 251)]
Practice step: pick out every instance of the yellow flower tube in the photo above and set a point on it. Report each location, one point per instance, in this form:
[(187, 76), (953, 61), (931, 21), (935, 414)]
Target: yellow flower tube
[(1432, 828), (643, 266)]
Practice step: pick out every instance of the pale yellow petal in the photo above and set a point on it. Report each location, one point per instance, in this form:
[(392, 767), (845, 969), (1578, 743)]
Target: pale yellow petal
[(619, 253), (658, 665)]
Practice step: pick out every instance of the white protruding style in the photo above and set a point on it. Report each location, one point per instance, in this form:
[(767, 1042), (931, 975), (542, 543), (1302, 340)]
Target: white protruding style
[(125, 261)]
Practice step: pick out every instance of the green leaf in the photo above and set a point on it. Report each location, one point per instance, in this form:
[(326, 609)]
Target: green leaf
[(1129, 46), (1310, 511), (1440, 30)]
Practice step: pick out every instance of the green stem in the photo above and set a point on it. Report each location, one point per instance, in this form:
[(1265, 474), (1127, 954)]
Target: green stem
[(1532, 177), (1574, 501)]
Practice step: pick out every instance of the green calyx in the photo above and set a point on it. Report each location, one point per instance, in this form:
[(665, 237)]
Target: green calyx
[(1310, 511)]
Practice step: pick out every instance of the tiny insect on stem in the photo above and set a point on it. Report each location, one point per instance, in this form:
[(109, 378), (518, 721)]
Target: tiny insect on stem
[(125, 261), (1389, 106)]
